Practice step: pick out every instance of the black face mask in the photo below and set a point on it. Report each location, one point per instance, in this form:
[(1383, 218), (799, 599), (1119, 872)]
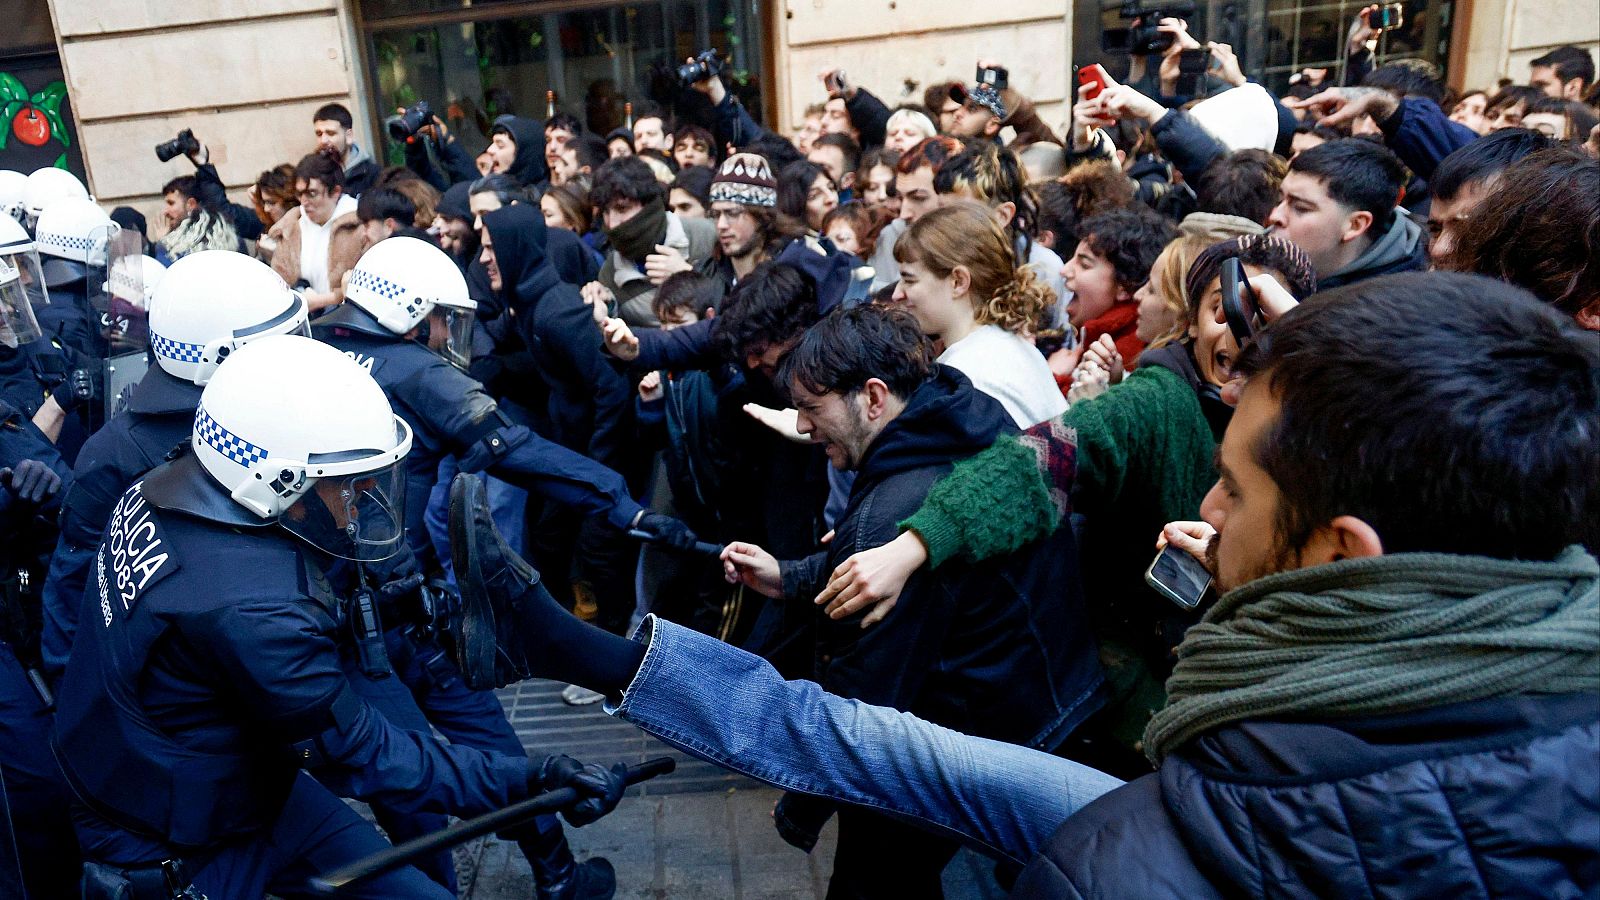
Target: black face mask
[(637, 238)]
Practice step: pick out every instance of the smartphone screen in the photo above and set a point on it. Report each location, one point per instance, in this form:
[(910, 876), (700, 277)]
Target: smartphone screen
[(1179, 577)]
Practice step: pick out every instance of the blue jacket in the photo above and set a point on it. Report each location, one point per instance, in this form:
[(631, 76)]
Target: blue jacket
[(1421, 135), (1496, 798)]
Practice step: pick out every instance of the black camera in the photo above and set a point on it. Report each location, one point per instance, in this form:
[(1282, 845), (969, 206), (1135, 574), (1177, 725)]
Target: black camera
[(707, 65), (416, 117), (184, 143), (1144, 39)]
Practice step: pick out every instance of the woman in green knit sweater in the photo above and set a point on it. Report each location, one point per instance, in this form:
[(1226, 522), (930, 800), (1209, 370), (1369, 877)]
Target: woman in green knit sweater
[(1130, 461)]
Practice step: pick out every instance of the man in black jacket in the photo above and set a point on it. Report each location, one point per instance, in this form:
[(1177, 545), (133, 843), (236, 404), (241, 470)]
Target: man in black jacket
[(966, 648), (588, 406)]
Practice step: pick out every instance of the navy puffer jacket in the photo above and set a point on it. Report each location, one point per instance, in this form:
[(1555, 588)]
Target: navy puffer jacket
[(1497, 798)]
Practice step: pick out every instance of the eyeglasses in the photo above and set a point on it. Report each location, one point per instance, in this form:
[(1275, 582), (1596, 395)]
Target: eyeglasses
[(732, 215)]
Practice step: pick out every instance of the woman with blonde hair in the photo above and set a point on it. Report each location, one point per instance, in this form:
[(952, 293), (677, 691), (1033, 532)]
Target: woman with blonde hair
[(1163, 302), (959, 277)]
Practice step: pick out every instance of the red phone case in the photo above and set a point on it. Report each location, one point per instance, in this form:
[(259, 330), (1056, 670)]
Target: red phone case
[(1092, 75)]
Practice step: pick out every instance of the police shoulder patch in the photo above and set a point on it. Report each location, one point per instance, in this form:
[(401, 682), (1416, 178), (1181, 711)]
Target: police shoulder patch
[(133, 555)]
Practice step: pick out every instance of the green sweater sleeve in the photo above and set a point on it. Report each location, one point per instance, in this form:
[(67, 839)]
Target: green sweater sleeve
[(1001, 499)]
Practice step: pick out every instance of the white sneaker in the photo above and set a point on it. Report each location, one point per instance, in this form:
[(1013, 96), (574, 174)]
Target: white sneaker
[(574, 695)]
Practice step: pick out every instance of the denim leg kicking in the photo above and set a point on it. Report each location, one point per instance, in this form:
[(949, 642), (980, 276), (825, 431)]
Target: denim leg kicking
[(731, 708)]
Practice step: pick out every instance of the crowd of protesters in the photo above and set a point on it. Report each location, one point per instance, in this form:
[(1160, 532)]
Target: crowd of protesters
[(841, 458)]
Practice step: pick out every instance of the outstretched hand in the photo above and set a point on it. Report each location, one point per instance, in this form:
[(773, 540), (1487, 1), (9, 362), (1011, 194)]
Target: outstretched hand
[(620, 342), (753, 567), (1342, 106), (783, 421), (873, 579)]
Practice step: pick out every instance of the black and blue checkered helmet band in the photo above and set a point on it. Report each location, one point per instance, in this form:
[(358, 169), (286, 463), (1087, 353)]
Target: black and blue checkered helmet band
[(178, 351), (226, 442)]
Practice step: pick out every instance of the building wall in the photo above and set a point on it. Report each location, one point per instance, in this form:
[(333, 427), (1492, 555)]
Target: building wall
[(245, 75), (885, 44), (1503, 35)]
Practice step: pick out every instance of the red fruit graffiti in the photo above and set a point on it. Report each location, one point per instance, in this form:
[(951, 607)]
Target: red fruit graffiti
[(31, 127), (33, 118)]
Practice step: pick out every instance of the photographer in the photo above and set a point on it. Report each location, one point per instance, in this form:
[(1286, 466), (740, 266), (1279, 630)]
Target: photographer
[(731, 123), (991, 104), (196, 208), (426, 139)]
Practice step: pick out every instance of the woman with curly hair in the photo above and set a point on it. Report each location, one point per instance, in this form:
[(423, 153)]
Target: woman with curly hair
[(959, 277)]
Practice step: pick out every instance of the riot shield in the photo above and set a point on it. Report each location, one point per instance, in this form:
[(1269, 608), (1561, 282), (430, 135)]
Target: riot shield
[(18, 325), (123, 302), (18, 250)]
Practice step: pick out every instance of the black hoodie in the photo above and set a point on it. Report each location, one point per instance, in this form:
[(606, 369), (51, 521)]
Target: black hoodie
[(528, 167), (589, 403)]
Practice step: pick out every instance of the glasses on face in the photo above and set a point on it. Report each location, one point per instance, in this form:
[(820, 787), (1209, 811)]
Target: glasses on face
[(732, 215)]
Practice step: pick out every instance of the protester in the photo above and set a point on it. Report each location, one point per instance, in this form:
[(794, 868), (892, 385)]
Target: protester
[(689, 196), (1340, 205), (807, 193), (1113, 258), (274, 194), (1465, 177), (1564, 73), (840, 156), (853, 228), (321, 239), (693, 146), (335, 131), (648, 242), (651, 135)]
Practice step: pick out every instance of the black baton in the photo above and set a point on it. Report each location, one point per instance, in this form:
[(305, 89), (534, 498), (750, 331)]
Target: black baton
[(330, 884)]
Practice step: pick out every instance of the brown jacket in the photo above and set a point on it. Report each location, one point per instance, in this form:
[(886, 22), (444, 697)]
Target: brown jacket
[(346, 243)]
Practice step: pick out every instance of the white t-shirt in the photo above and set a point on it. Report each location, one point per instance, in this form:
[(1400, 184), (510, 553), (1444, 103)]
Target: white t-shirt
[(314, 245), (1009, 369)]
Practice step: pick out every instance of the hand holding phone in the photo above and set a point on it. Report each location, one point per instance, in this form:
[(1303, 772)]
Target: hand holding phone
[(997, 77), (1179, 577), (1386, 18), (1094, 78), (1240, 305)]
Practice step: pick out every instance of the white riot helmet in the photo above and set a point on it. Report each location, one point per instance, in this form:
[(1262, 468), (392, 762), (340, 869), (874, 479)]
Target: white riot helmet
[(401, 281), (298, 433), (48, 185), (74, 239), (13, 194), (133, 280), (17, 250), (211, 303)]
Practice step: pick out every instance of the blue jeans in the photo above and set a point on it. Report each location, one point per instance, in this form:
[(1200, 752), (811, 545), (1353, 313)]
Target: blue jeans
[(731, 708)]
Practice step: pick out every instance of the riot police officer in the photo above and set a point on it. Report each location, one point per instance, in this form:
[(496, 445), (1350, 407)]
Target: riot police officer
[(408, 320), (74, 238), (191, 333), (208, 675), (38, 856)]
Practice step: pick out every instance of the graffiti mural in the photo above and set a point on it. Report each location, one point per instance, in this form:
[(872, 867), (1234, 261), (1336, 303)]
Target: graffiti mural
[(36, 127)]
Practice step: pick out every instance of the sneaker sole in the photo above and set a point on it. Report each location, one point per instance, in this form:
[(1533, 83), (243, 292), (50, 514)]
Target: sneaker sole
[(478, 643)]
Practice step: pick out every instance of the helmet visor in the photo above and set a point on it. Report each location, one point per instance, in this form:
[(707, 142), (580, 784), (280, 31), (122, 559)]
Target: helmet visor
[(450, 333), (360, 516), (26, 262), (17, 323)]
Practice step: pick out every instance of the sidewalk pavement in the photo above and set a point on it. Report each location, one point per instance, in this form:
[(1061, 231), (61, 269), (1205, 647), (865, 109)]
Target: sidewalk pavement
[(698, 833)]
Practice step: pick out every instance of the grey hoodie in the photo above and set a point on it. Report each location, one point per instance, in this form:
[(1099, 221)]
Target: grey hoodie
[(1399, 249)]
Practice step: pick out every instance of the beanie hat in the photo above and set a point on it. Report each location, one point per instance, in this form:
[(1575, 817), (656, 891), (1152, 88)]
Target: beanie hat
[(745, 178), (1263, 251)]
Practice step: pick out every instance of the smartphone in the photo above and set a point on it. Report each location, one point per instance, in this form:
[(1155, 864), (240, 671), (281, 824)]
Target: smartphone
[(1240, 306), (1179, 577), (1192, 66), (997, 77), (1387, 17), (1093, 77)]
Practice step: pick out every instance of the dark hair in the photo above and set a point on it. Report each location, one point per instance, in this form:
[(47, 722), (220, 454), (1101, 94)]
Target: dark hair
[(699, 135), (794, 183), (1580, 118), (625, 178), (620, 134), (849, 347), (1263, 251), (687, 291), (931, 153), (1541, 229), (846, 146), (866, 223), (1096, 187), (590, 152), (696, 180), (1058, 213), (183, 184), (320, 167), (334, 112), (873, 158), (1326, 132), (565, 121), (1243, 183), (1569, 63), (1424, 442), (992, 175), (934, 97), (1130, 239), (574, 204), (1406, 78), (777, 151), (506, 187), (1356, 174), (1511, 95), (772, 305), (1483, 159), (274, 185), (381, 203)]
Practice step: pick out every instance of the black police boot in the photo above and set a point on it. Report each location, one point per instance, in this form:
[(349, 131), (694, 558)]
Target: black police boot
[(559, 876), (493, 580)]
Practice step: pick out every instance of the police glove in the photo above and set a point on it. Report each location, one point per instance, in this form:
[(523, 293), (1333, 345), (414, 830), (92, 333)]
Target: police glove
[(658, 528), (31, 481), (599, 789), (76, 390)]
